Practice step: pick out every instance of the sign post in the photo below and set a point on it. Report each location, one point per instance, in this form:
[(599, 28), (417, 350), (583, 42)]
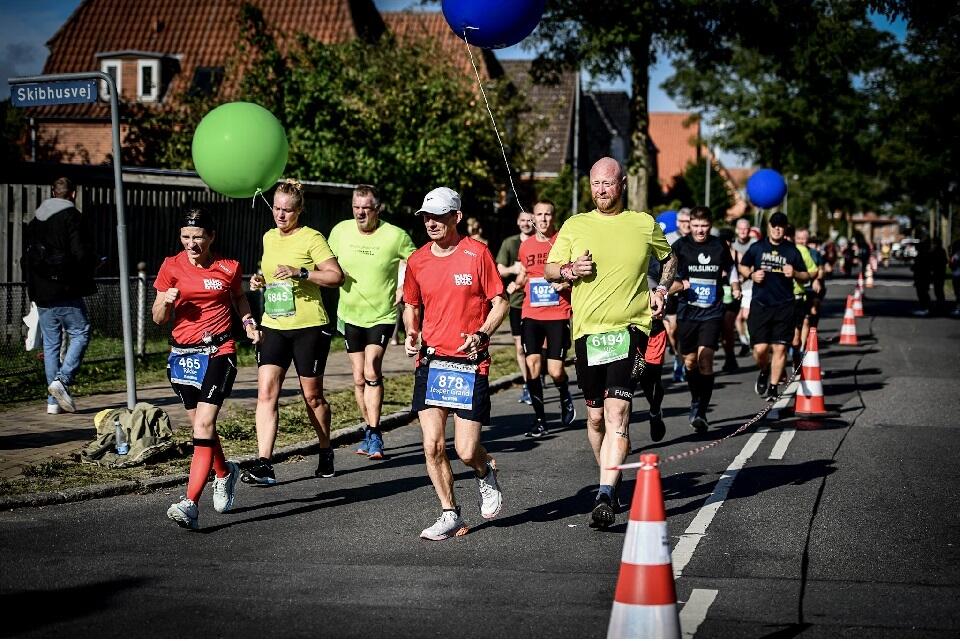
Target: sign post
[(70, 88)]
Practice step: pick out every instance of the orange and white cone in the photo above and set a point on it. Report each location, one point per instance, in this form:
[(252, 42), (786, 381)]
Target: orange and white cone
[(858, 303), (848, 331), (645, 603), (809, 399), (869, 277), (860, 280)]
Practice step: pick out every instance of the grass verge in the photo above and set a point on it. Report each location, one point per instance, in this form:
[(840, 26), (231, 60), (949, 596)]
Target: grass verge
[(237, 433)]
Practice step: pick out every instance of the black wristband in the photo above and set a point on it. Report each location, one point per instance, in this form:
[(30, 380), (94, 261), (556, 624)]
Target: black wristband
[(304, 273), (484, 337)]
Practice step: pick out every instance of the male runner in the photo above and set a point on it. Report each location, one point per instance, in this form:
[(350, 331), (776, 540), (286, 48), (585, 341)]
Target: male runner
[(509, 268)]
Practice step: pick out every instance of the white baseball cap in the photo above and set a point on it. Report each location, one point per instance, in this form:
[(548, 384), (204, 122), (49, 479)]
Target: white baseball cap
[(440, 201)]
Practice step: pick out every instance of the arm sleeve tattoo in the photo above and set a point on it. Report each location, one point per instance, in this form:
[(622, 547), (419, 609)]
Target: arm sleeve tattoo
[(668, 271)]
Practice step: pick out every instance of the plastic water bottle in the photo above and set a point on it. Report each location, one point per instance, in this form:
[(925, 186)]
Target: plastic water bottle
[(122, 445)]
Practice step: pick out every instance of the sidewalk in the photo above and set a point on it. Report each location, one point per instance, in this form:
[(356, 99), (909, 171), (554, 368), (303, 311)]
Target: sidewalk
[(29, 435)]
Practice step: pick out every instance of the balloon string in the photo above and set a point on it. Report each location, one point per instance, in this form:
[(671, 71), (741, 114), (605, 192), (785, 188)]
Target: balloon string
[(496, 130), (253, 200)]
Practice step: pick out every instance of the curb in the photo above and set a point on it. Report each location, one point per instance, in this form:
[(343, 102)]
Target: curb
[(338, 438)]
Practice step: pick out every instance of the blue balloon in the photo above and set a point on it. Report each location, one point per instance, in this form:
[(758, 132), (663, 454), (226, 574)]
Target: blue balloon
[(493, 24), (766, 188), (668, 221)]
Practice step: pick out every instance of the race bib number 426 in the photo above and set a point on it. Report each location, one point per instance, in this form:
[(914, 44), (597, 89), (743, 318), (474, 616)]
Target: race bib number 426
[(607, 347)]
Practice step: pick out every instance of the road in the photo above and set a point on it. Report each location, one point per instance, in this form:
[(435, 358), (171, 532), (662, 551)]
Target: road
[(842, 529)]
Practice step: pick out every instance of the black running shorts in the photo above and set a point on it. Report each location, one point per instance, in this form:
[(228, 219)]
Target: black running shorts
[(617, 379), (672, 304), (357, 338), (556, 333), (216, 386), (771, 325), (307, 348), (693, 334), (516, 321), (480, 412)]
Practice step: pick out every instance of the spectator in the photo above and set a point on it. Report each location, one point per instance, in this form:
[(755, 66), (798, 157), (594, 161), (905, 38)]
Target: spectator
[(938, 273), (475, 231)]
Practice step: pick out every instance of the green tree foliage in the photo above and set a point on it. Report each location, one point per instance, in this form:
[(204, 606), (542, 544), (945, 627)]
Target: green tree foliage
[(560, 191), (690, 189), (14, 132)]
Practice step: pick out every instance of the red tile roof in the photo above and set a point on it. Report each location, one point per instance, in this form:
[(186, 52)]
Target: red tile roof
[(675, 135), (430, 26)]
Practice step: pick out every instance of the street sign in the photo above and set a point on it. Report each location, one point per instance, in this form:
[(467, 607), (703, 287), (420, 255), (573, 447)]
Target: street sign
[(36, 94)]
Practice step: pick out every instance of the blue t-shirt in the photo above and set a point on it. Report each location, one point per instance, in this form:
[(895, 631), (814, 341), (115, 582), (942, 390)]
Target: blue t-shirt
[(776, 289)]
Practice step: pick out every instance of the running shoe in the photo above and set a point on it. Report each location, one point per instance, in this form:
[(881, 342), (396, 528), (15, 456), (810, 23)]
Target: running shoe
[(374, 447), (224, 488), (362, 448), (763, 379), (604, 512), (773, 391), (325, 464), (449, 524), (185, 514), (679, 375), (694, 411), (525, 396), (658, 428), (918, 312), (537, 430), (53, 408), (491, 498), (730, 366), (700, 424), (568, 411), (60, 392), (261, 473), (955, 312)]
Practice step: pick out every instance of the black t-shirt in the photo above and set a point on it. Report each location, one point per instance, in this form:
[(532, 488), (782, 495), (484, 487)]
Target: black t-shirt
[(776, 289), (707, 266)]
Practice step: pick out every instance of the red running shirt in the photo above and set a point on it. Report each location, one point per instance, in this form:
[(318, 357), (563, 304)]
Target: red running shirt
[(533, 256), (455, 292), (206, 297)]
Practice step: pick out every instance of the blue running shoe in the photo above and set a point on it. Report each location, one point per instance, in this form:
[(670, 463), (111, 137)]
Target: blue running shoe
[(375, 446), (679, 372), (525, 396), (364, 447)]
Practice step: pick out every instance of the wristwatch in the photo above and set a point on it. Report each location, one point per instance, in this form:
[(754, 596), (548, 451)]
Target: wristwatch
[(249, 321), (660, 288), (304, 273)]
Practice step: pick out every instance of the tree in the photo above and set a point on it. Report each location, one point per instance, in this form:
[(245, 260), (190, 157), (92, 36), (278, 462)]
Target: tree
[(14, 132), (689, 189)]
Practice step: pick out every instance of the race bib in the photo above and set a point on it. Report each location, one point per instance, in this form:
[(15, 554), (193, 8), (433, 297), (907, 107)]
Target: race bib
[(450, 385), (278, 299), (607, 347), (727, 294), (703, 292), (188, 369), (541, 293)]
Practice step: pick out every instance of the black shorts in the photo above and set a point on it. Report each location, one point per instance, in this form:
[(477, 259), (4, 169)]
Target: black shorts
[(307, 348), (356, 338), (692, 334), (771, 324), (216, 386), (480, 412), (617, 379), (556, 333), (673, 303), (733, 307), (516, 321)]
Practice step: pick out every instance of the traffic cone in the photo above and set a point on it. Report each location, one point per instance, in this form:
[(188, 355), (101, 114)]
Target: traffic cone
[(869, 277), (809, 399), (848, 331), (860, 280), (858, 303), (645, 603)]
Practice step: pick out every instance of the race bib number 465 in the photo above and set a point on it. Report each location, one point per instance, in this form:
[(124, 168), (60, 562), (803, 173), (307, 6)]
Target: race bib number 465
[(188, 369), (450, 385), (607, 347)]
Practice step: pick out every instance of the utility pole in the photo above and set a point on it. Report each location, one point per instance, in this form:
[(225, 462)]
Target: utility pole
[(575, 204)]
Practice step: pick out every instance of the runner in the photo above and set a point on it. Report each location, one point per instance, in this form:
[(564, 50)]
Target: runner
[(612, 307), (200, 290), (815, 289), (651, 381), (296, 263), (546, 317), (704, 265), (370, 252), (772, 263), (453, 301), (670, 317), (740, 245), (509, 268)]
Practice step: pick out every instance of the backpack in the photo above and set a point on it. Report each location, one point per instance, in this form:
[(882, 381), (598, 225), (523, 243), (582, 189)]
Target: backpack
[(147, 429)]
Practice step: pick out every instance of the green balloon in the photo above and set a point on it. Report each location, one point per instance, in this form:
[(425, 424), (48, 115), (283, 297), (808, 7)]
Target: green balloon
[(239, 148)]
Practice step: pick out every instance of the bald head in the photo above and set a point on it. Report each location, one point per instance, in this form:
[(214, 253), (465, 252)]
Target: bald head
[(606, 185)]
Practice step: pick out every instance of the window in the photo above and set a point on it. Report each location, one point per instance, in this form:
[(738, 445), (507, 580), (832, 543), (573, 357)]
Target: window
[(112, 68), (148, 80), (206, 81)]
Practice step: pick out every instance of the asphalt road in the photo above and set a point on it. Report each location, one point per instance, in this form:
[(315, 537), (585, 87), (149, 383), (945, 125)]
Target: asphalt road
[(851, 532)]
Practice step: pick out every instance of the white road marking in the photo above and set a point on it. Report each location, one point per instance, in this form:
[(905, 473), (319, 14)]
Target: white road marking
[(689, 540), (780, 447), (694, 611)]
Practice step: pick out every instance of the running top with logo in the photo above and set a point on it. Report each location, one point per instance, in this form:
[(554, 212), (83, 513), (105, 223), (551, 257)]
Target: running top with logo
[(507, 256), (291, 303), (542, 301), (369, 263), (704, 265), (776, 289), (622, 247), (812, 264), (455, 291), (204, 306)]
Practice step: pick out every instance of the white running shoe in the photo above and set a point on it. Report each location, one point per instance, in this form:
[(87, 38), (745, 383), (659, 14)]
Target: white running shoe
[(59, 391), (224, 488), (449, 524), (53, 408), (491, 498), (185, 514)]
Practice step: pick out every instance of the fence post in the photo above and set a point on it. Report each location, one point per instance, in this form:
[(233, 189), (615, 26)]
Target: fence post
[(141, 307)]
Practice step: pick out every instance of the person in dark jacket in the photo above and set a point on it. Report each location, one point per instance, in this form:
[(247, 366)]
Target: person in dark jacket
[(58, 263)]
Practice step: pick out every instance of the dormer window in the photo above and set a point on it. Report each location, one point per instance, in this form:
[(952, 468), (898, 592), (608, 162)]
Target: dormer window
[(148, 80), (111, 68)]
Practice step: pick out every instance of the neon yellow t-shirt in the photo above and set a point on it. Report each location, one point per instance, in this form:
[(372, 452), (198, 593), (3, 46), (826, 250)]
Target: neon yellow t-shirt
[(370, 265), (798, 288), (617, 295), (308, 248)]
